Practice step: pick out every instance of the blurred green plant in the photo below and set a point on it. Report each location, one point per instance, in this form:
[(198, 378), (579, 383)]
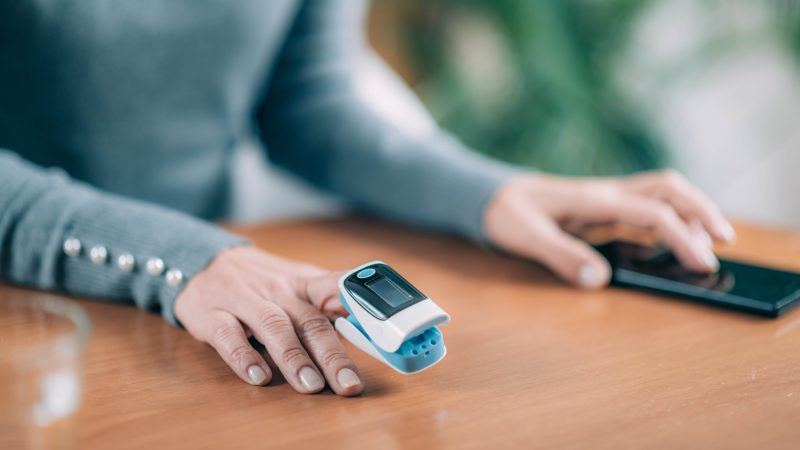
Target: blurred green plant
[(554, 105), (536, 82), (787, 18)]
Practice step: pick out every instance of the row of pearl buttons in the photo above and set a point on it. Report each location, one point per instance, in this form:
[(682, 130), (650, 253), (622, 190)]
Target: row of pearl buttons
[(125, 262)]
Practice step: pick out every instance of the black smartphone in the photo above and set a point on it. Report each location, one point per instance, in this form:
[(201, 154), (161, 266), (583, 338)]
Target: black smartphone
[(745, 287)]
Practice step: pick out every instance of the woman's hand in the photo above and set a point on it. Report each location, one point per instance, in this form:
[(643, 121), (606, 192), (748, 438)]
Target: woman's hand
[(245, 290), (531, 214)]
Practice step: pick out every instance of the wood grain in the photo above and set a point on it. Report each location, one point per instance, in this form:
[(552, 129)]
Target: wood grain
[(531, 363)]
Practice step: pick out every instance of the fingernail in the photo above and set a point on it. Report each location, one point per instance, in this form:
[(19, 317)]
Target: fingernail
[(347, 378), (589, 277), (311, 379), (710, 260), (256, 374)]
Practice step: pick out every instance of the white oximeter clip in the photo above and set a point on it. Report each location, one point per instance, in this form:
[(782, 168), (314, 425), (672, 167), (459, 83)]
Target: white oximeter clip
[(390, 319)]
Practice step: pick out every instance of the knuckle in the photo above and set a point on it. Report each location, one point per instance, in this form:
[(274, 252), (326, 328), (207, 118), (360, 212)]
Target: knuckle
[(272, 318), (604, 195), (334, 357), (663, 214), (240, 353), (586, 189), (224, 332), (272, 321), (285, 288), (279, 286), (314, 326), (600, 194), (293, 355), (672, 178), (269, 283), (668, 223)]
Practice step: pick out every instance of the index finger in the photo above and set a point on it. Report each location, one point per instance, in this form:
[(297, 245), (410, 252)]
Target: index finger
[(323, 292), (689, 201)]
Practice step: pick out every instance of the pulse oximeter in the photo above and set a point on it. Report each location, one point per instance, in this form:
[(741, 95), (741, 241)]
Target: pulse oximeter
[(390, 319)]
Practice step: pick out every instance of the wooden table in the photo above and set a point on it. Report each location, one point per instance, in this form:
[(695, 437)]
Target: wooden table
[(531, 363)]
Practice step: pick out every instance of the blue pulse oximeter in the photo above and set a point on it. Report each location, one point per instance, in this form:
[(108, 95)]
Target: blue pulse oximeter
[(390, 319)]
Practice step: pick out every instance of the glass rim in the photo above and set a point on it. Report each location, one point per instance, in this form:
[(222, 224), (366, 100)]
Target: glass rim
[(74, 339)]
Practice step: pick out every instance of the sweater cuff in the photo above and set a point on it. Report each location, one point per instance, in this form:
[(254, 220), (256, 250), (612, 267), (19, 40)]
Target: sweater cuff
[(66, 236), (149, 253), (168, 249)]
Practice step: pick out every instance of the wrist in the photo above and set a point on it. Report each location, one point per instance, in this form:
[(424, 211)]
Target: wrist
[(507, 198)]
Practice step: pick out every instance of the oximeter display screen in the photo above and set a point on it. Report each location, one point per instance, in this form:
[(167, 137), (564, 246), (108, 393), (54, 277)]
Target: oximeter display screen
[(389, 292), (382, 291)]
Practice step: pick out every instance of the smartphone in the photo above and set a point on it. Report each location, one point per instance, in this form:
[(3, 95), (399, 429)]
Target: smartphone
[(737, 285)]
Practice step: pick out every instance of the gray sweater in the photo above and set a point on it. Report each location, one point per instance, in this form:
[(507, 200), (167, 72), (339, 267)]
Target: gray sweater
[(118, 120)]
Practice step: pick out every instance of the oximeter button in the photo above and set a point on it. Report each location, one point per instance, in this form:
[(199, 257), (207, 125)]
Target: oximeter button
[(366, 273)]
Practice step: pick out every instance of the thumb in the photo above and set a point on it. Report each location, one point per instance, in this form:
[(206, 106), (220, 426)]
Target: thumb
[(570, 258), (323, 292)]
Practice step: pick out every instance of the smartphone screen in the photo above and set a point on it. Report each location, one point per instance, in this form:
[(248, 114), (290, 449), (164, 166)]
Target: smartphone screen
[(748, 287)]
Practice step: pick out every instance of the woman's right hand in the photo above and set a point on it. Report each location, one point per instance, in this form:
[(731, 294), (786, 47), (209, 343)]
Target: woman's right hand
[(284, 305)]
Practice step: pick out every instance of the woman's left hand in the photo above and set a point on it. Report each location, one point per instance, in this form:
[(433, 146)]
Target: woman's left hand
[(530, 216)]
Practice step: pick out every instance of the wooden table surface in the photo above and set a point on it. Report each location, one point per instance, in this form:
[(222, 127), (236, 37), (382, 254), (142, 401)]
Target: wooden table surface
[(531, 363)]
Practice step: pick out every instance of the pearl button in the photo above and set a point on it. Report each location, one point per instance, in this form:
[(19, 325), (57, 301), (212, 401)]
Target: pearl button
[(72, 247), (98, 254), (126, 262), (174, 277), (154, 266)]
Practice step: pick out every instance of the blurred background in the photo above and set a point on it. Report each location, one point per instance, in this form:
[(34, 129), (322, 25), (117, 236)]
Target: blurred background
[(606, 87)]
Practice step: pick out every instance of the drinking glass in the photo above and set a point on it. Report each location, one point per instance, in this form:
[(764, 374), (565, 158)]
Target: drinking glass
[(42, 338)]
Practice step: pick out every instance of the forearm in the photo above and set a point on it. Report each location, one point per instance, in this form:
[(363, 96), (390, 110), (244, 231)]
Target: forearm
[(40, 210), (317, 123), (430, 180)]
